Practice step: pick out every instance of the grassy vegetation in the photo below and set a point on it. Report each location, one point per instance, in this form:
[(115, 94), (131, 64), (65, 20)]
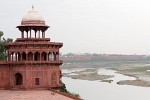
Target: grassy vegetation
[(130, 69), (100, 64), (64, 90), (109, 81), (139, 69)]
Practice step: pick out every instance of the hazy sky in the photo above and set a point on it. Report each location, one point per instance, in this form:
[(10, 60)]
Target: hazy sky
[(94, 26)]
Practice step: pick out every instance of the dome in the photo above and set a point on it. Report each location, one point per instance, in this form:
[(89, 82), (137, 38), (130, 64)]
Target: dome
[(32, 16)]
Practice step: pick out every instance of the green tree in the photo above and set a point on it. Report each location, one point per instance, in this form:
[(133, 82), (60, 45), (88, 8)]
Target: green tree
[(3, 54), (1, 33)]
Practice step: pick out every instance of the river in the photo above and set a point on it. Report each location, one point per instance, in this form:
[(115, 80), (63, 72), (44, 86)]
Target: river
[(96, 90)]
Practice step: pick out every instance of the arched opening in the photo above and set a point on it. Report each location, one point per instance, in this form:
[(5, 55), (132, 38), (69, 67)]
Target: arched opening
[(49, 56), (12, 56), (18, 56), (37, 56), (23, 56), (57, 56), (18, 78), (30, 56), (53, 79), (44, 56), (53, 56)]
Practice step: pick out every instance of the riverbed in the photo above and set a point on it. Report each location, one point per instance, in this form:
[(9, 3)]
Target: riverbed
[(96, 90)]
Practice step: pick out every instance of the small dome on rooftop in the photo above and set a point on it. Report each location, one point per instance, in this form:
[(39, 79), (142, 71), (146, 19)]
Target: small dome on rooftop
[(32, 16)]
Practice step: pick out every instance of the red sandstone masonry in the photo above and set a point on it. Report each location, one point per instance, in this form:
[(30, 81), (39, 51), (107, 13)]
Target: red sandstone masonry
[(33, 60), (33, 63)]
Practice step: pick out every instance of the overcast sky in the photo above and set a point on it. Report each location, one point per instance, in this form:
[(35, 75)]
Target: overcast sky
[(93, 26)]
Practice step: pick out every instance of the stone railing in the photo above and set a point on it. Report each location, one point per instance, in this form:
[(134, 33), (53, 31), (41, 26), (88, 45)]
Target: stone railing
[(31, 62)]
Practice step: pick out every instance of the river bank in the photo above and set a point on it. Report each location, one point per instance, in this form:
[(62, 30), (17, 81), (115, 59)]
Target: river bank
[(140, 72), (108, 89)]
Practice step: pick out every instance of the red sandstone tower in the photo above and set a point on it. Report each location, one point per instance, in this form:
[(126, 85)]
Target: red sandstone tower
[(33, 61)]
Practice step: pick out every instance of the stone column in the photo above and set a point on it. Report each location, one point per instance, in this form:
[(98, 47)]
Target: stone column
[(54, 56), (9, 57), (40, 56), (30, 33), (39, 33), (47, 57), (35, 34), (44, 34), (58, 56), (26, 57), (27, 34), (22, 34), (15, 56), (20, 57)]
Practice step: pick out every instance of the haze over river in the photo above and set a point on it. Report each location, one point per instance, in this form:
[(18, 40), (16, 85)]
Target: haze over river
[(96, 90)]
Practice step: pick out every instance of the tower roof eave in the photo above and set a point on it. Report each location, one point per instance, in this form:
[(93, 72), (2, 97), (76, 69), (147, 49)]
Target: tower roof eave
[(37, 25), (33, 26)]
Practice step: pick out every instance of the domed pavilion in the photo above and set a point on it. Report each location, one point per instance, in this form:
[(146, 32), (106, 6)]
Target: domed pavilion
[(33, 61)]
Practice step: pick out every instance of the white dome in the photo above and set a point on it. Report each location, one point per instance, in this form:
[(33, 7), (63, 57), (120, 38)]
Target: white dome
[(32, 16)]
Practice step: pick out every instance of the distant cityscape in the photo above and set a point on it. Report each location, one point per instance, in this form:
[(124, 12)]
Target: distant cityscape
[(104, 57)]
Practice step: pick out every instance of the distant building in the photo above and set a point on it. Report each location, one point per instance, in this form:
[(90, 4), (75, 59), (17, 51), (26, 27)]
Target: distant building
[(33, 61)]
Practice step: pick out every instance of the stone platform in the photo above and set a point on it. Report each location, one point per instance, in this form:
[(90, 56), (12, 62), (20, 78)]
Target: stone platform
[(31, 95)]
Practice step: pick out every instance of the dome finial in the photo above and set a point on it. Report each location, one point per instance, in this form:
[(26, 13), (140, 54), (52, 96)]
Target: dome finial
[(32, 7)]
